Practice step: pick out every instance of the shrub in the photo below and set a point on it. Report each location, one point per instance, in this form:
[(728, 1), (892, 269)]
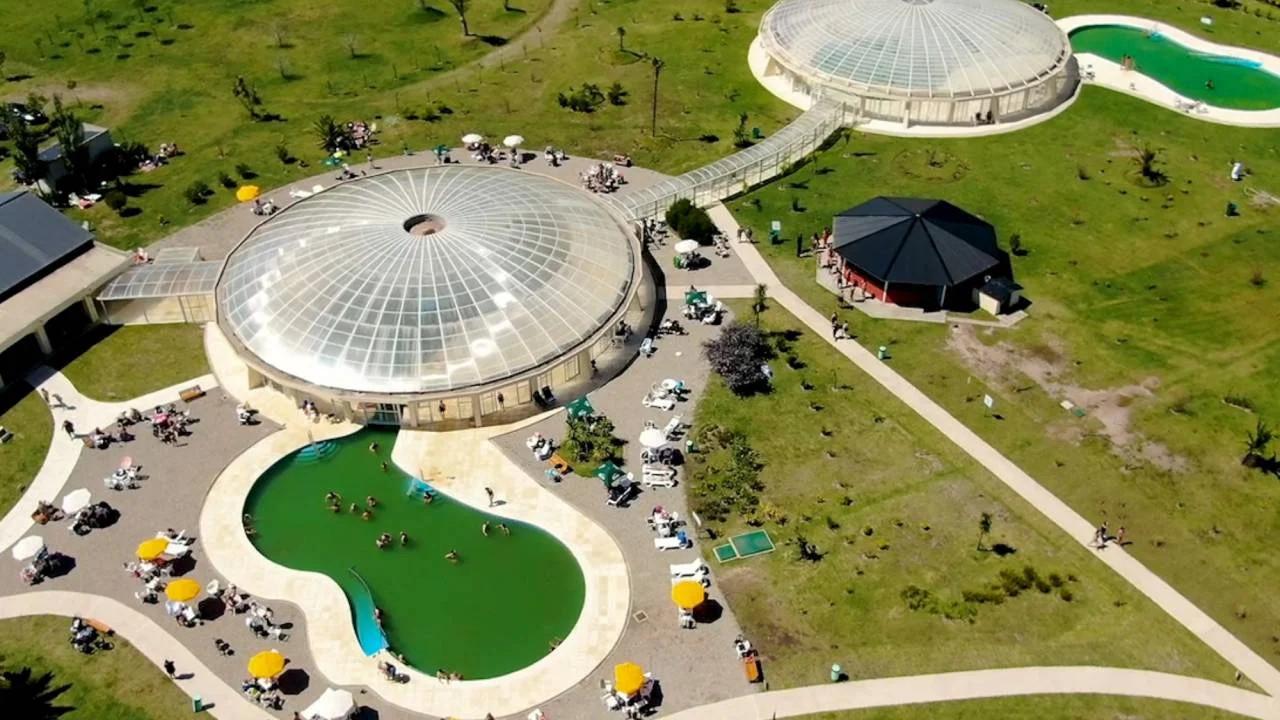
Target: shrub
[(690, 222), (226, 180), (590, 439), (196, 192), (617, 95), (738, 355), (244, 171), (1066, 594), (584, 98), (283, 154), (116, 200), (1055, 579), (917, 598), (1257, 279)]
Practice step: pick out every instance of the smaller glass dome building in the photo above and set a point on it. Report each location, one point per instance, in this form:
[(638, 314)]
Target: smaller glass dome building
[(926, 62), (433, 295)]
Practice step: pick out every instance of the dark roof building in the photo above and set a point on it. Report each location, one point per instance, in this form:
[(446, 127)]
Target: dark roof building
[(928, 245), (35, 240)]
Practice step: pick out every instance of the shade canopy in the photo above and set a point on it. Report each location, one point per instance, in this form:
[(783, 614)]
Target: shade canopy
[(580, 408), (915, 241), (686, 246), (28, 547), (688, 594), (266, 664), (334, 704), (513, 141), (628, 678), (472, 138), (152, 549), (182, 590), (75, 501)]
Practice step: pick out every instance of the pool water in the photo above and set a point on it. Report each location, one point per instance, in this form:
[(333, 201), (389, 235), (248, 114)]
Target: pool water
[(495, 611), (1238, 84)]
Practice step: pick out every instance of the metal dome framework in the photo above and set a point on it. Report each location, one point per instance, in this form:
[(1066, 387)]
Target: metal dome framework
[(921, 61), (429, 283)]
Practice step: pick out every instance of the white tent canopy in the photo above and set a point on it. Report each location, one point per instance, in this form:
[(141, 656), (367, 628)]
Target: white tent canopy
[(332, 705)]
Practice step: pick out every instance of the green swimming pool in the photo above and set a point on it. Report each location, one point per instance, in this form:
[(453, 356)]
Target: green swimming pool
[(1237, 84), (499, 608)]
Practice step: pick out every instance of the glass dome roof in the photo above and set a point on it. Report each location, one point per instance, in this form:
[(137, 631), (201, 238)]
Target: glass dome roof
[(929, 48), (427, 280)]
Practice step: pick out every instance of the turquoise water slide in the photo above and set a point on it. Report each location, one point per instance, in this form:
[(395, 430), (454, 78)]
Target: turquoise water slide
[(372, 638)]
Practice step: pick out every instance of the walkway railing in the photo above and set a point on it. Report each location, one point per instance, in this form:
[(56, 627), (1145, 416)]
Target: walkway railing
[(737, 173)]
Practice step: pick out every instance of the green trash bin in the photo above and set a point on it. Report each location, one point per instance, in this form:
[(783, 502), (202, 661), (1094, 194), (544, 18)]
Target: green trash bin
[(882, 353), (837, 672)]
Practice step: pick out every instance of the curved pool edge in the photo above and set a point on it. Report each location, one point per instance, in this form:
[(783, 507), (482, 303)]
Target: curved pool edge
[(1112, 76), (325, 607)]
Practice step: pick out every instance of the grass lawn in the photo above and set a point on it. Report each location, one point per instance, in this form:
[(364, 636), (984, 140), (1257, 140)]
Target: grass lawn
[(174, 85), (137, 359), (889, 503), (1148, 299), (117, 684), (1042, 707), (24, 414)]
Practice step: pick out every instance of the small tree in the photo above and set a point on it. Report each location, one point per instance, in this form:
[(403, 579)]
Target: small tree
[(350, 40), (690, 221), (617, 95), (759, 301), (740, 137), (278, 30), (1147, 159), (622, 34), (1256, 443), (590, 439), (461, 6), (984, 527), (738, 355), (69, 132), (30, 697), (4, 57), (26, 147), (329, 134), (248, 97)]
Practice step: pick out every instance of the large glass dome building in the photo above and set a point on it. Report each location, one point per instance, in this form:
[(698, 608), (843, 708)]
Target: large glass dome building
[(919, 62), (432, 295)]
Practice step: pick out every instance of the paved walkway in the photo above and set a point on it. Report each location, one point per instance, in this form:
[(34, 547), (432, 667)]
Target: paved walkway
[(986, 684), (1148, 583), (148, 637), (86, 414)]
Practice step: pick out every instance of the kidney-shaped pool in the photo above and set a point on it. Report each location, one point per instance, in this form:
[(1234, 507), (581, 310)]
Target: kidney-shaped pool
[(506, 601)]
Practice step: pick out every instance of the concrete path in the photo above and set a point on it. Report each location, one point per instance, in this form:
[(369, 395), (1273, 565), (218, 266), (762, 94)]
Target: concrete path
[(86, 414), (1148, 583), (1006, 682), (149, 638)]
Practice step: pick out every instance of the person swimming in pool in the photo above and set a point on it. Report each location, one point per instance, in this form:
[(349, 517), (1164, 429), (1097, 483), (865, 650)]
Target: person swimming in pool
[(371, 501), (1208, 84), (452, 556), (373, 447), (484, 528), (353, 507), (332, 497), (366, 515)]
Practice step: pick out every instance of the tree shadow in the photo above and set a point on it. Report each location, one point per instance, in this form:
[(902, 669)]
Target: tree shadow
[(493, 40), (1003, 550), (134, 190)]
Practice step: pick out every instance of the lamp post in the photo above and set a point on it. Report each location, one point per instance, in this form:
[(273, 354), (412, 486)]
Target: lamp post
[(657, 70)]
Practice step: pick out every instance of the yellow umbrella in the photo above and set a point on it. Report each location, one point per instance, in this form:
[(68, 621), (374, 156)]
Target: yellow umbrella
[(182, 590), (245, 193), (266, 664), (688, 594), (152, 549), (628, 678)]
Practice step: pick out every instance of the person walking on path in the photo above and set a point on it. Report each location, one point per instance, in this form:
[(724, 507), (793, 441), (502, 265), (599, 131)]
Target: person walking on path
[(57, 401), (844, 330), (170, 669), (44, 395), (489, 492), (69, 429), (1120, 536), (1100, 537)]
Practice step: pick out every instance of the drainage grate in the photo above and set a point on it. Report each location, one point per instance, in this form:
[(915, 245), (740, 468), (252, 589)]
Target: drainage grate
[(640, 616)]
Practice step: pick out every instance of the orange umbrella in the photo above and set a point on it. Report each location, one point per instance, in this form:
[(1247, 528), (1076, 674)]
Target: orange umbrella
[(688, 594), (628, 678)]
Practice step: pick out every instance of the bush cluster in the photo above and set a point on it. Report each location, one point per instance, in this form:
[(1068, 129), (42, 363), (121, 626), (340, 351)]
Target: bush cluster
[(690, 222)]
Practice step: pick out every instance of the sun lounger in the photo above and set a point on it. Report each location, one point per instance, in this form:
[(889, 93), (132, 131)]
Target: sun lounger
[(679, 542), (673, 428), (658, 480), (646, 347), (662, 403), (659, 470), (689, 569)]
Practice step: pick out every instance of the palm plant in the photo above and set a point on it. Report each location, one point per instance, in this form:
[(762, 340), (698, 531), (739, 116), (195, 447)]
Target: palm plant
[(984, 527), (23, 695), (1256, 443), (1147, 158), (328, 132), (758, 301)]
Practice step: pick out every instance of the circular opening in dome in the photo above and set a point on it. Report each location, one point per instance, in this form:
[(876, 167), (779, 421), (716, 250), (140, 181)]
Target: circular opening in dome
[(424, 224)]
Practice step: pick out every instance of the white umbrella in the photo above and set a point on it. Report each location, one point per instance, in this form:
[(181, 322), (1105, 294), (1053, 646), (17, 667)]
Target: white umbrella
[(332, 705), (686, 246), (28, 547), (75, 501), (513, 141), (472, 138), (653, 438)]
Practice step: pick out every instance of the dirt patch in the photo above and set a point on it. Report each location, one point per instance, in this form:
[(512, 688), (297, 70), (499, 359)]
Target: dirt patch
[(1003, 364)]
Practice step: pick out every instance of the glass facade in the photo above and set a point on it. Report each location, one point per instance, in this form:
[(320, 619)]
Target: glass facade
[(430, 280)]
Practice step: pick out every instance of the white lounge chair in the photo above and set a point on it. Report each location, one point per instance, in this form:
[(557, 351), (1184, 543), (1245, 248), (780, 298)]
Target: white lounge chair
[(655, 481), (674, 426), (672, 543), (662, 403), (689, 569), (646, 347), (659, 470)]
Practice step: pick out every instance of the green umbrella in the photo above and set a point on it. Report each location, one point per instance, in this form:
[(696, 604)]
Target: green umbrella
[(695, 297), (332, 161), (607, 472), (441, 150), (580, 408)]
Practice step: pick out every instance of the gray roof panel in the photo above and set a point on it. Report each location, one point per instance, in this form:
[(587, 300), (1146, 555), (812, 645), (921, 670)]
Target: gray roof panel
[(35, 240)]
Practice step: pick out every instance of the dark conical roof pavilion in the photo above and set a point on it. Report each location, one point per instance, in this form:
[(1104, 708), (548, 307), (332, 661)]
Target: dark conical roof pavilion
[(916, 241)]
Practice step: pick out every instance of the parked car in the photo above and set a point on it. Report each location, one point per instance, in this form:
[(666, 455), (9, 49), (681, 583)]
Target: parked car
[(30, 116)]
